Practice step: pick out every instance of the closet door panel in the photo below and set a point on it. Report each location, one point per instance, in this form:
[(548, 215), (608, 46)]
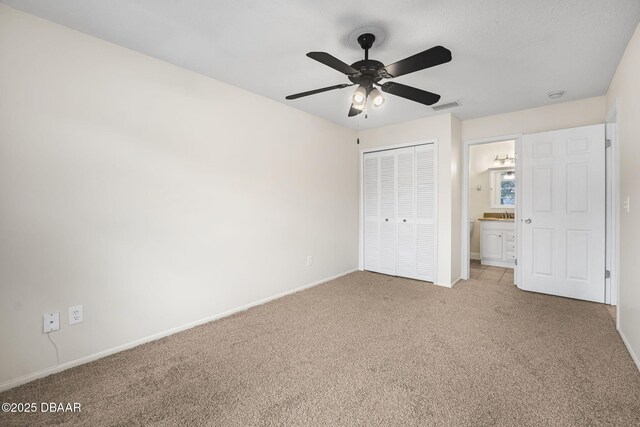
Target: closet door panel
[(371, 208), (388, 244), (425, 211), (405, 161)]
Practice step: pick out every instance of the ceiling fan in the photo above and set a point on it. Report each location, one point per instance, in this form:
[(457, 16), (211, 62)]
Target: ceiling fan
[(368, 73)]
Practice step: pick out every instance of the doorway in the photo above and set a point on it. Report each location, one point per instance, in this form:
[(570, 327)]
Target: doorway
[(490, 208)]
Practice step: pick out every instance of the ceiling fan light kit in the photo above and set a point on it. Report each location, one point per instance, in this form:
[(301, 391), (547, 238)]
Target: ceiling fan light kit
[(359, 97), (376, 98), (368, 73)]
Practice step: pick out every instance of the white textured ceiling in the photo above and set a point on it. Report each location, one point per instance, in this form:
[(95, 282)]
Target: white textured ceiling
[(507, 54)]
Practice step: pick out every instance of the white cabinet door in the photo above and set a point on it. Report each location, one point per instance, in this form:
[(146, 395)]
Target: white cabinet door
[(563, 213), (407, 243), (491, 244)]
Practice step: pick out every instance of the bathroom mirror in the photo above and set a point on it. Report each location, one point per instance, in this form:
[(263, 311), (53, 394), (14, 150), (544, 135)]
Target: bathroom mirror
[(502, 187)]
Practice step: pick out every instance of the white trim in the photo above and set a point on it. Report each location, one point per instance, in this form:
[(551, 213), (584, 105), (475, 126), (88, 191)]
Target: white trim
[(90, 358), (436, 207), (444, 285), (395, 146), (459, 279), (474, 256), (634, 356), (466, 239), (517, 277), (448, 285), (613, 220)]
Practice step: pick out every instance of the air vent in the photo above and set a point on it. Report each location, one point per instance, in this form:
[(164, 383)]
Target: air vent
[(447, 105)]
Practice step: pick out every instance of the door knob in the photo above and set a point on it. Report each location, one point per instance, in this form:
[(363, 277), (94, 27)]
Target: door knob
[(527, 220), (404, 220), (386, 219)]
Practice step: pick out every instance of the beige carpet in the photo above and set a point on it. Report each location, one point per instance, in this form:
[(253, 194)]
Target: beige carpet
[(367, 350)]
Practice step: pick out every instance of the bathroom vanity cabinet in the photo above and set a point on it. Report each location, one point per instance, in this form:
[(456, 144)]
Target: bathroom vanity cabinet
[(497, 242)]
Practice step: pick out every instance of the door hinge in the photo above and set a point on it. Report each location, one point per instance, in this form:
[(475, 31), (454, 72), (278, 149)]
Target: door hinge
[(607, 143), (516, 261), (607, 274)]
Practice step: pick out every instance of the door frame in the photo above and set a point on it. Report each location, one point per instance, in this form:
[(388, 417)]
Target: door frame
[(612, 226), (466, 241), (363, 151)]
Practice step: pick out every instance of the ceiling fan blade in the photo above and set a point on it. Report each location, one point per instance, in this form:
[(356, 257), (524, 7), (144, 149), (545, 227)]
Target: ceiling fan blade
[(353, 111), (412, 93), (429, 58), (313, 92), (333, 62)]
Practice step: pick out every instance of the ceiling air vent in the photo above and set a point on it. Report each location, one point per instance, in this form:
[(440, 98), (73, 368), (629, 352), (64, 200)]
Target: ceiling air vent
[(447, 105)]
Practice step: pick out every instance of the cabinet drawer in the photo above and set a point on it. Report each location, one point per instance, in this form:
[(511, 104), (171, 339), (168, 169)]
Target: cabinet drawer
[(509, 255), (509, 237)]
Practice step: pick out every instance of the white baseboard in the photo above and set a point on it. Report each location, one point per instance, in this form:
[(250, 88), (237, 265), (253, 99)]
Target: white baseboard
[(444, 285), (90, 358), (448, 285), (635, 358), (474, 255)]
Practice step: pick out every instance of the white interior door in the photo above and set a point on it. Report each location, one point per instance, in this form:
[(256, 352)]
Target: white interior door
[(563, 213)]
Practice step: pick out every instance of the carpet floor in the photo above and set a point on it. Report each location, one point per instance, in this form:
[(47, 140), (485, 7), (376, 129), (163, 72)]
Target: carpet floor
[(367, 350)]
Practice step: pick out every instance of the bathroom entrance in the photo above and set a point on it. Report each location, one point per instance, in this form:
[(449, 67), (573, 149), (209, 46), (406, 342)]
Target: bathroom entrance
[(491, 210), (490, 244)]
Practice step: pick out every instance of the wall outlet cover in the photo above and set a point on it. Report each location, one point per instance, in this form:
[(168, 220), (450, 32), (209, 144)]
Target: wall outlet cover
[(51, 321), (75, 314)]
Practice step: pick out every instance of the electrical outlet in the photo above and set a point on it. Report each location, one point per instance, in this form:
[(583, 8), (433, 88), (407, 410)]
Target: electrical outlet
[(309, 260), (75, 314), (51, 321)]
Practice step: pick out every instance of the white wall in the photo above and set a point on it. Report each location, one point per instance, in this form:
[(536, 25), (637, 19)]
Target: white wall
[(625, 87), (151, 195), (436, 127), (562, 115), (481, 157)]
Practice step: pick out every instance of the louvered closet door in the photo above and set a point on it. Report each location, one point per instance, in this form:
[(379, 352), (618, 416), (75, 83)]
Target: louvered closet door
[(406, 224), (371, 211), (399, 212), (425, 211), (387, 243)]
